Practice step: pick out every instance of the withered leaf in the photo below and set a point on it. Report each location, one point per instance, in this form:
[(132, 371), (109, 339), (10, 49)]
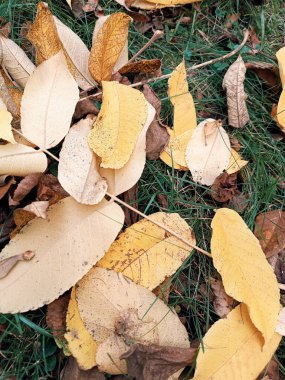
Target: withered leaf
[(7, 265), (271, 371), (24, 187), (266, 71), (236, 96), (223, 303), (50, 189), (225, 187), (130, 197), (9, 93), (83, 108), (145, 66), (56, 316), (155, 362), (38, 208), (270, 231), (72, 372), (6, 182)]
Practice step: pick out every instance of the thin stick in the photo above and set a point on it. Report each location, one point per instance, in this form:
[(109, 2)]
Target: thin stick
[(192, 68)]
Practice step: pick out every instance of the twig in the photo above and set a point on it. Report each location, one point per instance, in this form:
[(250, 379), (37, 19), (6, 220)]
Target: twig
[(192, 68)]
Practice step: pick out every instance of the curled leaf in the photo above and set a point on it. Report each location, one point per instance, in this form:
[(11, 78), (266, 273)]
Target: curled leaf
[(225, 187), (145, 66)]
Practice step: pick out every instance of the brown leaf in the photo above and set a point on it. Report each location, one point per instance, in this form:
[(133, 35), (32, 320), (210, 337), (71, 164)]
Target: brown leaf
[(5, 30), (239, 202), (24, 187), (232, 19), (6, 181), (253, 40), (236, 96), (10, 93), (90, 5), (144, 66), (155, 362), (235, 144), (72, 372), (162, 291), (21, 218), (270, 231), (7, 265), (157, 136), (131, 197), (50, 189), (223, 303), (266, 72), (76, 7), (56, 316), (224, 187), (271, 371), (38, 208), (83, 108)]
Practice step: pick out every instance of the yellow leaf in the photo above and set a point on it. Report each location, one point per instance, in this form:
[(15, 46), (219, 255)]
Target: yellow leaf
[(167, 155), (246, 274), (281, 112), (236, 162), (146, 254), (118, 125), (184, 118), (5, 126), (280, 55), (80, 343), (108, 45), (233, 348)]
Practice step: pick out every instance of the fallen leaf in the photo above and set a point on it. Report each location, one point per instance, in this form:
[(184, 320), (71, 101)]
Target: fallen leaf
[(146, 254), (24, 187), (10, 94), (78, 166), (49, 89), (280, 327), (144, 66), (21, 218), (271, 372), (236, 162), (131, 198), (66, 244), (157, 136), (270, 231), (113, 320), (6, 182), (245, 271), (121, 180), (280, 112), (50, 189), (72, 372), (7, 265), (225, 188), (185, 122), (83, 108), (108, 43), (253, 40), (229, 344), (236, 96), (38, 208), (207, 159), (280, 55), (239, 202), (156, 362), (163, 290), (21, 160), (5, 29), (80, 342), (56, 315), (121, 119), (15, 60), (223, 303), (267, 72), (167, 3), (5, 126)]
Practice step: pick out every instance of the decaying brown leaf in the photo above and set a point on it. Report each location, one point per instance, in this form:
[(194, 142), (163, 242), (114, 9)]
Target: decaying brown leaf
[(145, 66), (49, 189), (266, 71), (157, 135), (7, 265), (38, 208), (10, 94), (223, 303), (236, 96), (154, 362), (270, 231), (24, 187), (21, 218), (56, 316), (83, 108), (72, 372), (271, 371), (6, 182), (225, 188), (131, 198)]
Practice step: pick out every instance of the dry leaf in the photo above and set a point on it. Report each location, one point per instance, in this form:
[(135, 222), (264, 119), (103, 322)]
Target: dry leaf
[(66, 244), (50, 189), (147, 254), (114, 320), (280, 113), (5, 126), (280, 55), (78, 166), (223, 303), (121, 119), (156, 362), (83, 108), (271, 371), (266, 71), (120, 180), (38, 208), (15, 60), (236, 162), (151, 4), (131, 198), (56, 315), (157, 136), (145, 66), (185, 122), (236, 96), (21, 160), (208, 158), (72, 372), (270, 231), (80, 342), (52, 94), (233, 348), (280, 327), (245, 271), (10, 94), (6, 182), (24, 187), (7, 265), (21, 218), (108, 43), (225, 187)]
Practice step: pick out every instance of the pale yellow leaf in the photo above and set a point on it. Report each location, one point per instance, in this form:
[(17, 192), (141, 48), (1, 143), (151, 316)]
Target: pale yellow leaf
[(80, 343), (280, 55), (5, 125), (78, 166), (178, 146), (208, 157), (48, 103), (116, 311), (146, 254), (246, 274), (108, 45), (233, 349), (121, 180), (281, 112), (15, 60), (21, 160), (121, 119), (236, 162), (66, 244)]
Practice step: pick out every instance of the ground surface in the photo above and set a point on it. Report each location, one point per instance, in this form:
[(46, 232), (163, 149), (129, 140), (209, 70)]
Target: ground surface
[(27, 350)]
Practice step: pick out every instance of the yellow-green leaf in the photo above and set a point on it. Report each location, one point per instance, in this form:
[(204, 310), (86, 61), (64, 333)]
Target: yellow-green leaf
[(246, 274), (233, 349)]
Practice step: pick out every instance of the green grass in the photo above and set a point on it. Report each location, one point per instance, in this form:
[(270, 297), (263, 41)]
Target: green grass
[(26, 350)]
